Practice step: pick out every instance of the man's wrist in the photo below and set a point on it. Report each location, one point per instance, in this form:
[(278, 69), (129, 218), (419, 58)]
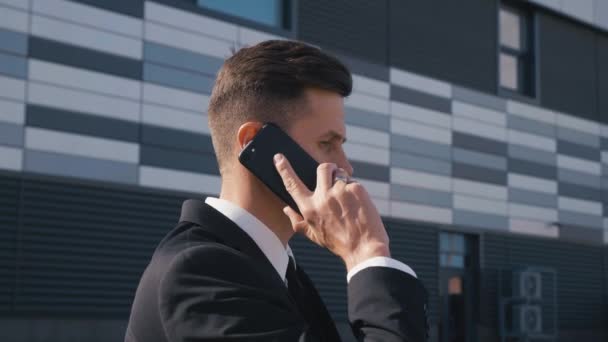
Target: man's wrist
[(366, 252)]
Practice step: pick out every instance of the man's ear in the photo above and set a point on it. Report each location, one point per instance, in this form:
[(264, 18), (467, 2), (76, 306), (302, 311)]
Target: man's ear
[(246, 132)]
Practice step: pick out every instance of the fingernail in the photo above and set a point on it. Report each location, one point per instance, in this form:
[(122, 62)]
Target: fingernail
[(277, 158)]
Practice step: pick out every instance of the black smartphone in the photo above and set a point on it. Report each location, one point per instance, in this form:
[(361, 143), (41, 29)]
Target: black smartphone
[(257, 157)]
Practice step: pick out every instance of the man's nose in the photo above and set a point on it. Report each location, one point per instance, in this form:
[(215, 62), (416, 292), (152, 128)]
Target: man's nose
[(345, 164)]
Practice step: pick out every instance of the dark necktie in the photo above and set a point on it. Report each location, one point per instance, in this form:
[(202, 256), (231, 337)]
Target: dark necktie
[(309, 303)]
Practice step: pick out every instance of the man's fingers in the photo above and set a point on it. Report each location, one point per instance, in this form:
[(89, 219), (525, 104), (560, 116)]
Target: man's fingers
[(325, 176), (295, 218), (292, 182)]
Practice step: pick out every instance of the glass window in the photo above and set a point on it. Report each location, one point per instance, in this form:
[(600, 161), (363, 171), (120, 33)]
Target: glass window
[(452, 250), (267, 12), (516, 59)]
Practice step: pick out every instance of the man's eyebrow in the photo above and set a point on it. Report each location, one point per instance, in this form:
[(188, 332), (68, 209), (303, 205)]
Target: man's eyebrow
[(334, 135)]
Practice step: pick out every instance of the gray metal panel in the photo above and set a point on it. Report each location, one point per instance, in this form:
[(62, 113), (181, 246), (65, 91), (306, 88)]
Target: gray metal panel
[(11, 134), (578, 191), (448, 40), (578, 137), (602, 76), (579, 178), (10, 187), (532, 197), (420, 99), (489, 161), (578, 151), (479, 174), (80, 57), (531, 154), (526, 167), (531, 126), (579, 219), (181, 59), (420, 147), (13, 65), (370, 171), (173, 138), (177, 78), (479, 98), (467, 218), (74, 122), (419, 163), (363, 67), (179, 159), (133, 8), (13, 42), (604, 143), (79, 167), (422, 196), (367, 119), (580, 234), (475, 143), (564, 43)]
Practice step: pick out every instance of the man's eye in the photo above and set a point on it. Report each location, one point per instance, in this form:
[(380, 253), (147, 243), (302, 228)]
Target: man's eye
[(326, 144)]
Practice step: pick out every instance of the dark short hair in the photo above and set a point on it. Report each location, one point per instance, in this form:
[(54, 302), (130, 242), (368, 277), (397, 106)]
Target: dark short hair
[(265, 83)]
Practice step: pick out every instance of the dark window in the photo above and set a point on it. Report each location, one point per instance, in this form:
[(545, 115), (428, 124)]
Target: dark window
[(516, 53), (452, 250), (272, 13)]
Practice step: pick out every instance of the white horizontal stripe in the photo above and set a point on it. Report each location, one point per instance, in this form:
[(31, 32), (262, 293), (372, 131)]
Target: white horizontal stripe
[(577, 164), (420, 83), (419, 114), (367, 136), (367, 102), (23, 4), (382, 205), (605, 157), (421, 212), (579, 205), (479, 189), (87, 37), (190, 21), (532, 212), (605, 131), (84, 102), (12, 88), (175, 98), (366, 85), (174, 118), (532, 140), (477, 128), (11, 158), (13, 112), (249, 37), (482, 205), (80, 145), (531, 112), (579, 124), (179, 180), (186, 40), (13, 19), (375, 188), (531, 227), (367, 153), (532, 183), (420, 179), (89, 16), (421, 131), (83, 79), (479, 113)]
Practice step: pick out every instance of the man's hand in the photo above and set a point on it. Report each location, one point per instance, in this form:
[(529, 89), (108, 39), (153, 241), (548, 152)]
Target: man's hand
[(340, 217)]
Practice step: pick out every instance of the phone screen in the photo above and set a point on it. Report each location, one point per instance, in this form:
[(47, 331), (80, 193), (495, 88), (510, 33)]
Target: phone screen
[(258, 155)]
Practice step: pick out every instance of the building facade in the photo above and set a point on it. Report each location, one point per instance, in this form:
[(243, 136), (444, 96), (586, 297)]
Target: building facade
[(479, 127)]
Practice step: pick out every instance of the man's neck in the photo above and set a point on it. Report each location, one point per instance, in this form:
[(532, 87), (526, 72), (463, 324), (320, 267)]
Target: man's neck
[(262, 204)]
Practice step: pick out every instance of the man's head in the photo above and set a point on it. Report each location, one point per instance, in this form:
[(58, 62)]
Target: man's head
[(296, 86)]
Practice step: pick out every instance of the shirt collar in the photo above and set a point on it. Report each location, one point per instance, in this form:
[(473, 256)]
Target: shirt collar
[(266, 240)]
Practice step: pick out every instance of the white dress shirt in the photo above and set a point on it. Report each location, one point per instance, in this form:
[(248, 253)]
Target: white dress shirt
[(273, 249)]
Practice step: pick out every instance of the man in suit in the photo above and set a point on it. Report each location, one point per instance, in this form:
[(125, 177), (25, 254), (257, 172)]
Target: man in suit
[(226, 272)]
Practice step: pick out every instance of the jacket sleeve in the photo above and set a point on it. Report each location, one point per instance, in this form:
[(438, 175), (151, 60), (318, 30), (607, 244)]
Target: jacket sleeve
[(386, 304), (213, 293)]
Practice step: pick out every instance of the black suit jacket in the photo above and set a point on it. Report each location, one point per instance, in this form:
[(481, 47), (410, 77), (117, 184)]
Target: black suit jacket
[(209, 281)]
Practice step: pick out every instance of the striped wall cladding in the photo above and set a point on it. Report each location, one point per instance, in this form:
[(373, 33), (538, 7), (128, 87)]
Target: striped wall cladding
[(120, 95)]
